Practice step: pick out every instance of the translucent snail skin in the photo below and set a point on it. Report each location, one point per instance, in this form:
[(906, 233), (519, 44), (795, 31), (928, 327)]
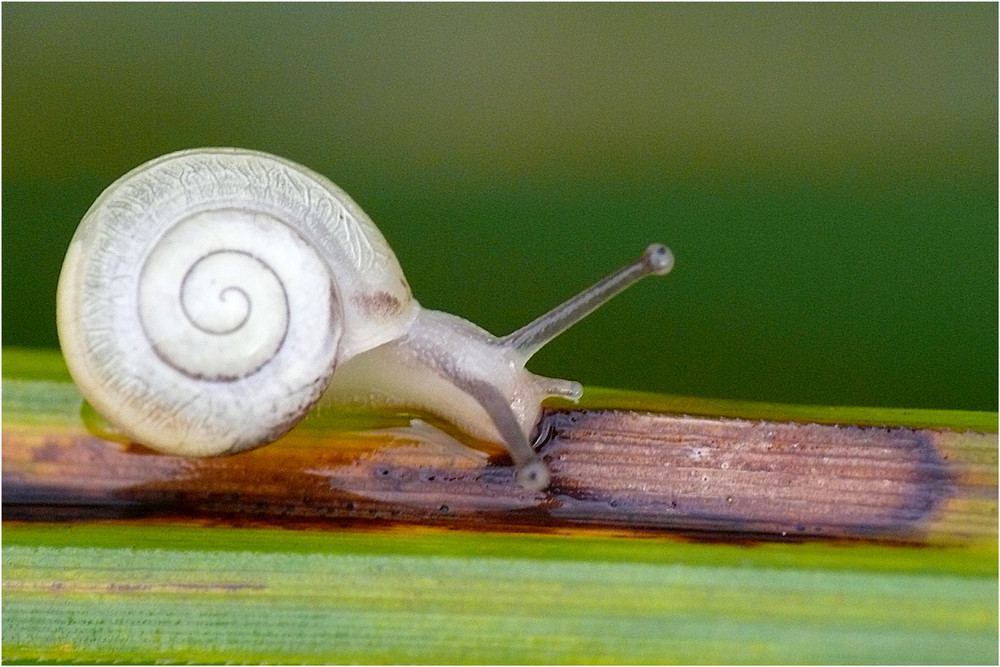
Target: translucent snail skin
[(211, 297)]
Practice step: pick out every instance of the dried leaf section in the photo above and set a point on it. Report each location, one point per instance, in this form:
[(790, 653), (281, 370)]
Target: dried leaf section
[(713, 476)]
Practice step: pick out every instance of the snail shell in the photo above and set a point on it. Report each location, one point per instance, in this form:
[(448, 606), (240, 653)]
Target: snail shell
[(211, 285)]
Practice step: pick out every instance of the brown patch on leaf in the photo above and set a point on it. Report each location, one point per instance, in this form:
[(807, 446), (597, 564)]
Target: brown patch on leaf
[(720, 478)]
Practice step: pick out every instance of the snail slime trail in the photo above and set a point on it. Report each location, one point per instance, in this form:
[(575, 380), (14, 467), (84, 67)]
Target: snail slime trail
[(211, 297)]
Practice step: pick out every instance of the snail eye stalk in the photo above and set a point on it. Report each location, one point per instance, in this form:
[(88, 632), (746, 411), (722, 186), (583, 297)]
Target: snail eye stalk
[(655, 260)]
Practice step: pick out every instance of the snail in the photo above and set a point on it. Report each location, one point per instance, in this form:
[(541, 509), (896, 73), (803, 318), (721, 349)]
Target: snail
[(211, 297)]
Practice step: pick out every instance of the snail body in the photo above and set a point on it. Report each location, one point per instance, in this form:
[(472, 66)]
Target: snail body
[(211, 297)]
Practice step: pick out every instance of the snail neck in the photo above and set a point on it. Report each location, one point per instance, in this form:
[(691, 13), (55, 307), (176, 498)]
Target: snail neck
[(429, 368), (450, 368)]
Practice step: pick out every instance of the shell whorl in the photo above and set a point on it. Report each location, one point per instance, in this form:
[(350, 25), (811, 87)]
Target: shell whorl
[(208, 296)]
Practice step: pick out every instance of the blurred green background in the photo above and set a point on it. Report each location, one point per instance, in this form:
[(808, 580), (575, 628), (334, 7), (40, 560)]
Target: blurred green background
[(825, 174)]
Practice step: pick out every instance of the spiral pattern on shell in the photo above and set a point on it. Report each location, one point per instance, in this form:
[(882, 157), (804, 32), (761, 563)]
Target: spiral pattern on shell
[(208, 296)]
